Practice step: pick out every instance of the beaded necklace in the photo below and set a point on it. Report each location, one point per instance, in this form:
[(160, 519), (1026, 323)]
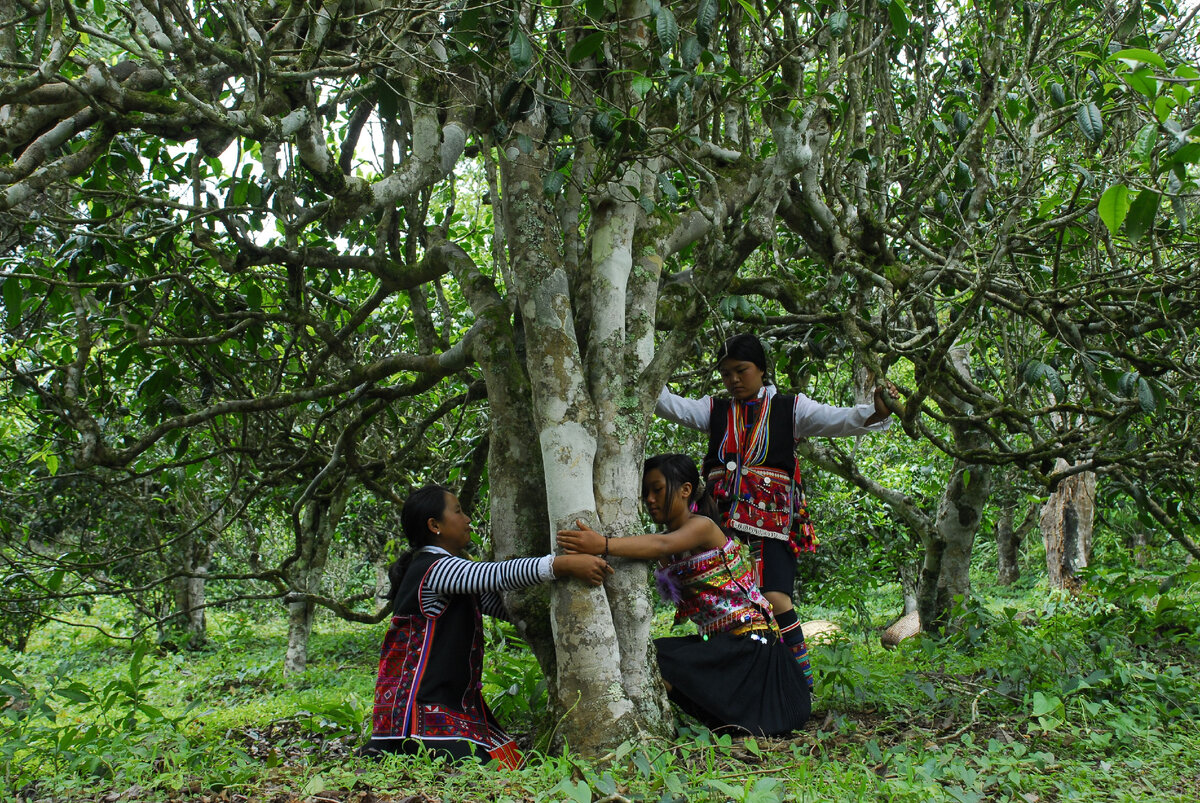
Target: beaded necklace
[(755, 448)]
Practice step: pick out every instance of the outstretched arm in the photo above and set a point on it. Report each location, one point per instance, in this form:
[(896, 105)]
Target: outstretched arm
[(882, 411), (692, 413), (697, 532), (454, 575)]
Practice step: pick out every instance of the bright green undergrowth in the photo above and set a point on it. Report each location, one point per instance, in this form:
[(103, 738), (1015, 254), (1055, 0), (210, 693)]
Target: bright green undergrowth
[(1036, 696)]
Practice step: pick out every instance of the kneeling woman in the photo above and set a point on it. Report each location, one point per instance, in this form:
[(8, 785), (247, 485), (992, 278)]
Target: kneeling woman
[(428, 689), (736, 671)]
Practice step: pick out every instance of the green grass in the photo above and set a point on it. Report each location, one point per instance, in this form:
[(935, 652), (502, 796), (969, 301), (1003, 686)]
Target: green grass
[(1037, 697)]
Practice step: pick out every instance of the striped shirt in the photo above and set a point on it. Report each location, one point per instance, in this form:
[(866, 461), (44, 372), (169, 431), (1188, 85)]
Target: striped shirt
[(454, 575)]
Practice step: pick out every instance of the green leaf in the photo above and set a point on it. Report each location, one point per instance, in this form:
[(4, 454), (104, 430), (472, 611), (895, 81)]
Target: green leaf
[(899, 14), (1141, 215), (519, 49), (567, 789), (706, 15), (601, 127), (1180, 209), (1143, 143), (642, 85), (586, 47), (12, 299), (1143, 81), (553, 183), (525, 143), (1114, 206), (1145, 396), (1133, 56), (56, 580), (666, 28), (253, 294), (839, 21), (667, 187), (152, 713), (1053, 380), (1090, 122), (1163, 108), (689, 54), (1043, 705), (1127, 383), (76, 693), (962, 175), (1058, 95), (1188, 154), (750, 10)]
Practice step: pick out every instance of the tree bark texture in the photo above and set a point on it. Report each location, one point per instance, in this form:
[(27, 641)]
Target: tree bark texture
[(318, 524), (945, 572), (1008, 546), (590, 683), (1067, 522), (195, 556), (910, 574)]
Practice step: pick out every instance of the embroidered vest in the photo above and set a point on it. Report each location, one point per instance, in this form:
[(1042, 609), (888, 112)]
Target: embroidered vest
[(428, 685), (752, 470)]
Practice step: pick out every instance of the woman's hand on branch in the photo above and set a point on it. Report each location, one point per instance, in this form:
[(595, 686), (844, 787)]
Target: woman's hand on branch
[(883, 393), (585, 540), (588, 568)]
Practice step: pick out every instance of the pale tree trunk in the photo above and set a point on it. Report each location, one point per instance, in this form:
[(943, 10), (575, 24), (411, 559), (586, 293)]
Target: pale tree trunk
[(1067, 521), (945, 571), (620, 347), (1009, 538), (516, 484), (602, 679), (589, 682), (195, 555), (591, 415), (318, 524), (1139, 545), (910, 574), (1008, 545)]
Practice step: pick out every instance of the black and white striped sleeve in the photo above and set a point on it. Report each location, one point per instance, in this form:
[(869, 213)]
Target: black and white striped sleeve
[(453, 575), (491, 604)]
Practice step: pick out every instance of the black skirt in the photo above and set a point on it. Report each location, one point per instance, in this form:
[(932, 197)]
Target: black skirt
[(735, 682)]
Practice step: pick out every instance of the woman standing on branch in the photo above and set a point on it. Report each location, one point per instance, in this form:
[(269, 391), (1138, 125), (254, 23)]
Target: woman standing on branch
[(751, 468), (736, 672), (428, 689)]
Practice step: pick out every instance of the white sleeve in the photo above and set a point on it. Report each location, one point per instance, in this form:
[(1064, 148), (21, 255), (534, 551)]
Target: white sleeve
[(813, 419), (692, 413)]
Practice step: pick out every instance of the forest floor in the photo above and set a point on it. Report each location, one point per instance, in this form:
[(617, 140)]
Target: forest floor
[(1037, 697)]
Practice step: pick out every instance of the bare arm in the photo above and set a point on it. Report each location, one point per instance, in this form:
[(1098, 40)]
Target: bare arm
[(698, 532)]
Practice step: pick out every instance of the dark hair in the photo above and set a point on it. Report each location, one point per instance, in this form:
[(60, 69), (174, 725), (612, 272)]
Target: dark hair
[(748, 348), (678, 469), (422, 505)]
